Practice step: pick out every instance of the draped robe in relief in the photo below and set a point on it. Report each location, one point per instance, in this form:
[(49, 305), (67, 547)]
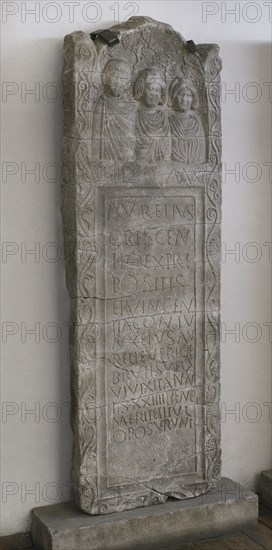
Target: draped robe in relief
[(113, 130), (153, 136), (188, 140)]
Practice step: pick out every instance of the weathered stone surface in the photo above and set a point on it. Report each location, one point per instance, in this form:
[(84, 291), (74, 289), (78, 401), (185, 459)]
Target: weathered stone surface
[(266, 488), (228, 508), (142, 195)]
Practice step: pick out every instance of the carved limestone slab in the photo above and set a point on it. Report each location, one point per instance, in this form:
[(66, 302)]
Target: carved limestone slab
[(141, 209)]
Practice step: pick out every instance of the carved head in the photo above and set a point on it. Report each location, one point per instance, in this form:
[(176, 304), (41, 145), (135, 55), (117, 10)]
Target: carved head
[(116, 77), (183, 95), (150, 88)]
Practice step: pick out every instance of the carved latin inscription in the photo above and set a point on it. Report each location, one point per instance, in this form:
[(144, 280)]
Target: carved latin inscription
[(151, 332)]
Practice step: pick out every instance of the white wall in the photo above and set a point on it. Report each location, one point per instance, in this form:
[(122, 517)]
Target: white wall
[(36, 450)]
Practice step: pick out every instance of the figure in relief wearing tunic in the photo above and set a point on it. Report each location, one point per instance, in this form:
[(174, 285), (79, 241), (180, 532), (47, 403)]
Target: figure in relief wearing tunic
[(153, 136), (188, 139), (113, 128)]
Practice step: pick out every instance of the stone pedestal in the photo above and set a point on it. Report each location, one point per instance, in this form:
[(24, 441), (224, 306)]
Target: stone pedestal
[(228, 508), (266, 488)]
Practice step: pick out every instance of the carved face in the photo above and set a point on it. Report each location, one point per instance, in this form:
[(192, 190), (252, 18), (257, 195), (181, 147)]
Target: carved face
[(184, 99), (117, 83), (152, 94)]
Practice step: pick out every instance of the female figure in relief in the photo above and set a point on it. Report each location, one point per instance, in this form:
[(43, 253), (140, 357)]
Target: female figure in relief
[(188, 139)]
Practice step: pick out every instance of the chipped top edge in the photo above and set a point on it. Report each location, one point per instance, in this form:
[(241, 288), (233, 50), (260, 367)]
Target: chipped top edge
[(140, 23)]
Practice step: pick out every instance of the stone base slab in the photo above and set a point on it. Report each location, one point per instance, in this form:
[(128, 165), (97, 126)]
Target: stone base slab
[(228, 508), (266, 488)]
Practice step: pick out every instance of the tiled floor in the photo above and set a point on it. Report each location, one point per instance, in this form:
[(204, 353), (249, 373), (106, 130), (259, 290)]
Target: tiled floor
[(257, 539)]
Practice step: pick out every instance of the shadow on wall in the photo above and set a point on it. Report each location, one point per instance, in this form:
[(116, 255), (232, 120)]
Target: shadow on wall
[(246, 183)]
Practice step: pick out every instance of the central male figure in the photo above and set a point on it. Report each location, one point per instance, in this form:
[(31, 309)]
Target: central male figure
[(153, 137)]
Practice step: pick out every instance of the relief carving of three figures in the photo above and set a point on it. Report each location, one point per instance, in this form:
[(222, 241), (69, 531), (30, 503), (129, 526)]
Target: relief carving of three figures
[(150, 133)]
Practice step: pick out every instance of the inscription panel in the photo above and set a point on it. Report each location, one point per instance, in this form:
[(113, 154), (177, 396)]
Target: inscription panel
[(153, 300)]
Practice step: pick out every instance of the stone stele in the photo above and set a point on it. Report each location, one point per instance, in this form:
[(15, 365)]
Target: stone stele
[(141, 209)]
